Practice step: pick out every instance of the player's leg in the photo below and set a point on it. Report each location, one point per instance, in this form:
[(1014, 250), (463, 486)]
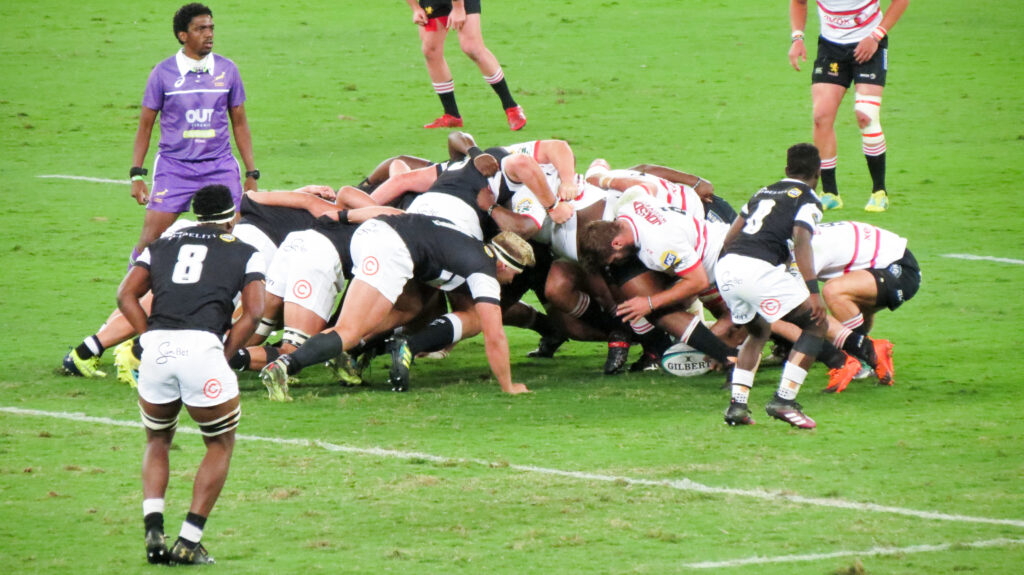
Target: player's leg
[(383, 171), (471, 41), (160, 421), (825, 99), (154, 224), (432, 39), (741, 379), (868, 107)]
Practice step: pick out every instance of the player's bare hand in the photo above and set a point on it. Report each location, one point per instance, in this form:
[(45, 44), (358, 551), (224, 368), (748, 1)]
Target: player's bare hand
[(797, 54), (865, 49), (818, 312), (140, 192), (457, 17), (485, 199), (633, 309), (705, 190), (562, 212), (568, 191), (516, 389), (419, 16), (250, 184)]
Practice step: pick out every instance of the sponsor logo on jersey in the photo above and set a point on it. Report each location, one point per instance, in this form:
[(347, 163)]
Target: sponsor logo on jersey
[(644, 211), (833, 69), (199, 116), (669, 259), (217, 82), (227, 238), (794, 192), (524, 206)]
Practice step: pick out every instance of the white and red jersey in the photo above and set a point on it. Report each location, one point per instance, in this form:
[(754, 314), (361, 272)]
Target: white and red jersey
[(669, 240), (676, 195), (563, 237), (848, 21), (843, 247)]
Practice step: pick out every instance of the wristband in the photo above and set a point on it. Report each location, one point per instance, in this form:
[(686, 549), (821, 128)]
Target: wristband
[(137, 171), (474, 151), (797, 35), (650, 304), (699, 180), (553, 206), (812, 286), (343, 216), (491, 209), (138, 179), (254, 174), (879, 33)]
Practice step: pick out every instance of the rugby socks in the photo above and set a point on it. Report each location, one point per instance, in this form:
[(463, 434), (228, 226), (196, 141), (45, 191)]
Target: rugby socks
[(742, 381), (317, 349), (153, 513), (497, 82), (90, 347), (793, 377), (192, 530), (856, 343), (831, 356), (876, 166), (589, 312), (446, 92), (441, 333), (699, 337), (828, 176)]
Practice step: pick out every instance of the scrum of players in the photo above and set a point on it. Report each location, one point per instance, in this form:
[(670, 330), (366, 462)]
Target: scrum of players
[(424, 254)]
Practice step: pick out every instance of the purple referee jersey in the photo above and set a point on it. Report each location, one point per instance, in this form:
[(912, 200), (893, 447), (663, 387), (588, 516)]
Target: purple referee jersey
[(193, 106)]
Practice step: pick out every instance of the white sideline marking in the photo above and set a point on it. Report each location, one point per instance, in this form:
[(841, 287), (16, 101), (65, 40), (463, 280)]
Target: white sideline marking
[(85, 179), (985, 258), (678, 484), (872, 551)]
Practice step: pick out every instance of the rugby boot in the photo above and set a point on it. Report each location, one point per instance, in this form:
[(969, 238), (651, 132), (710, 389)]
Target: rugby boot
[(841, 377), (445, 121), (547, 346), (156, 547), (790, 412), (127, 364), (618, 353), (74, 365), (275, 377), (401, 359), (647, 362), (738, 414), (181, 554), (831, 201), (878, 202), (516, 118), (344, 370), (884, 370)]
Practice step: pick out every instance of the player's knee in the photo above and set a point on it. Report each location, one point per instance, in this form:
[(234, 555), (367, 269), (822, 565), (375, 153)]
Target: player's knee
[(869, 114), (824, 117), (472, 48), (832, 291), (221, 425)]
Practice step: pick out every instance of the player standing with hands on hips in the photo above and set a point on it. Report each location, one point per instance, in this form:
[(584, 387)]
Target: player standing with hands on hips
[(196, 93), (853, 48), (194, 274), (435, 18)]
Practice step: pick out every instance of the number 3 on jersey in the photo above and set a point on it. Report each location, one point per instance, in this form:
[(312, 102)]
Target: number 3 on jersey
[(756, 219), (190, 264)]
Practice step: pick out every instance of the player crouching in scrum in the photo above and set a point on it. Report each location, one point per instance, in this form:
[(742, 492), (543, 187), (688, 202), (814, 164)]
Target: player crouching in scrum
[(387, 252), (194, 275)]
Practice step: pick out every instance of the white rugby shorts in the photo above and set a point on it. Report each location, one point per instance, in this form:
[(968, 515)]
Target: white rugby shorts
[(185, 364), (752, 286), (306, 271), (381, 259)]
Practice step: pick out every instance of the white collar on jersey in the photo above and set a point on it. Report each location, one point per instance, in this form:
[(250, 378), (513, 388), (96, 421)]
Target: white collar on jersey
[(186, 64)]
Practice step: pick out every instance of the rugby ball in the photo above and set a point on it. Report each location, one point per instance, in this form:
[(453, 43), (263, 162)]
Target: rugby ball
[(683, 361)]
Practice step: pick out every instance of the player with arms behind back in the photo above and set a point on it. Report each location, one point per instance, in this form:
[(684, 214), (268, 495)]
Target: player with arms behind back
[(194, 275), (754, 283)]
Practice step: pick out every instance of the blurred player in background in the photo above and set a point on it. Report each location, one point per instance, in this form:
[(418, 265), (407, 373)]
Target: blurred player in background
[(435, 18), (852, 48), (196, 93), (194, 275)]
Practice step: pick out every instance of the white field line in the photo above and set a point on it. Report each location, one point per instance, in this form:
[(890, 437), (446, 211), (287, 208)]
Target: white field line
[(678, 484), (84, 179), (866, 552), (985, 258)]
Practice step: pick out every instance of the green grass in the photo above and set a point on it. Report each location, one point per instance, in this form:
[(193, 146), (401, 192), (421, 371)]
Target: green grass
[(336, 87)]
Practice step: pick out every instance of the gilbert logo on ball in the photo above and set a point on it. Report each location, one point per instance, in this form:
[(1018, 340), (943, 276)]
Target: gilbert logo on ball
[(684, 361)]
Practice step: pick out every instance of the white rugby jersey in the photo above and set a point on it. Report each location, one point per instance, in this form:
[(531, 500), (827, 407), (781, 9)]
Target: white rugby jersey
[(676, 195), (848, 21), (563, 237), (843, 247), (523, 201), (669, 240)]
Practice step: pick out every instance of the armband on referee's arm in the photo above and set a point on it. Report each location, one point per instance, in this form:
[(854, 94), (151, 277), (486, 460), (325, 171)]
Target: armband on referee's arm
[(812, 285), (137, 173)]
